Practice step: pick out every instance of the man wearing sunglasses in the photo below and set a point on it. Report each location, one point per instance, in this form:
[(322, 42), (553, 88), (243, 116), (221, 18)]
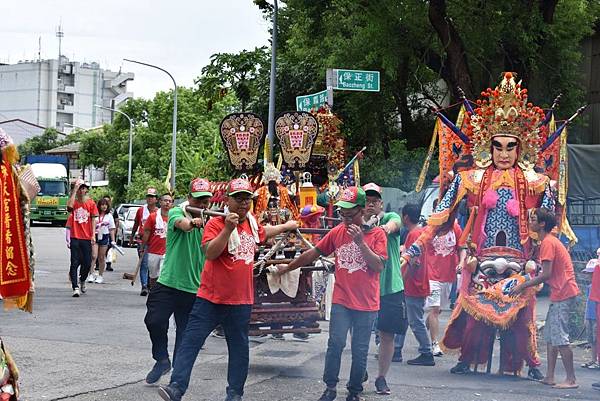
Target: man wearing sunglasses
[(226, 292), (360, 255)]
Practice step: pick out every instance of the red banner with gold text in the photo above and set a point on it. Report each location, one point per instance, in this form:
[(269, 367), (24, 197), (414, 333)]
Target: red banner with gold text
[(14, 258)]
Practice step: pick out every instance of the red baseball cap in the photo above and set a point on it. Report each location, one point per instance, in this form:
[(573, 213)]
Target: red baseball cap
[(372, 189), (199, 187), (152, 192), (239, 185), (352, 197)]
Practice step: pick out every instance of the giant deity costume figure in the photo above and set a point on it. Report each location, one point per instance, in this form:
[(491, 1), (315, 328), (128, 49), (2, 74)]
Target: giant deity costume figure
[(505, 133)]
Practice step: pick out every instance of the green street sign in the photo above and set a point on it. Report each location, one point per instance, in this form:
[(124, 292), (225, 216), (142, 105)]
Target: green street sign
[(356, 80), (309, 102)]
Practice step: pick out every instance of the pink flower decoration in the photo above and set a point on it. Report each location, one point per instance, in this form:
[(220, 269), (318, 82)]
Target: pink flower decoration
[(490, 199), (512, 207)]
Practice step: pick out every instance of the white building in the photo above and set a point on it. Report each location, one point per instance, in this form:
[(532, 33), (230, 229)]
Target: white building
[(61, 94)]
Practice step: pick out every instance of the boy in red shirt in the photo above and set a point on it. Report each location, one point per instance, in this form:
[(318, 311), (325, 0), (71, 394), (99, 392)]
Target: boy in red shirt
[(416, 288), (359, 257), (558, 273), (82, 234), (155, 238), (443, 255), (226, 292)]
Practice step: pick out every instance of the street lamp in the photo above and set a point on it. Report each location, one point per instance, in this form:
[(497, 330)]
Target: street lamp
[(174, 139), (130, 138)]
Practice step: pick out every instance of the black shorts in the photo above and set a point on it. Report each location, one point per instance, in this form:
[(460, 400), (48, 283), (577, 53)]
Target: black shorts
[(392, 314)]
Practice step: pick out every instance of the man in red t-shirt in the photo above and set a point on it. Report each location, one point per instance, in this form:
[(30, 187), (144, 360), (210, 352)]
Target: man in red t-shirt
[(155, 237), (558, 273), (360, 254), (82, 231), (137, 232), (416, 288), (442, 256), (226, 292)]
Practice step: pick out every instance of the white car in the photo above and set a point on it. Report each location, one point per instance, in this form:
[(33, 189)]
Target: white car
[(126, 225)]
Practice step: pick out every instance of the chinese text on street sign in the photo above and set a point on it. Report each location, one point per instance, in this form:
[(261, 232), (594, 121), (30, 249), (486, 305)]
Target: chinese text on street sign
[(309, 102), (355, 80)]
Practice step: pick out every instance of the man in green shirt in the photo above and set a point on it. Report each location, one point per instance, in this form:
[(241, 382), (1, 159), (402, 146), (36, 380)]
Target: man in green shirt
[(391, 319), (175, 291)]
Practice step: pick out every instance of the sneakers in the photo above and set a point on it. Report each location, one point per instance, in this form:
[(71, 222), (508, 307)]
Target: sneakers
[(397, 355), (381, 386), (76, 292), (82, 286), (277, 336), (170, 392), (99, 280), (91, 278), (328, 395), (460, 368), (422, 360), (535, 374), (354, 397), (144, 291), (435, 349), (159, 369)]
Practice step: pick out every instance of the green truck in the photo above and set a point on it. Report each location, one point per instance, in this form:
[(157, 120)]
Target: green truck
[(51, 203)]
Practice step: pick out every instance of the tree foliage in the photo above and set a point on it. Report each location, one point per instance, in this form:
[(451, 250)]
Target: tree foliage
[(50, 139)]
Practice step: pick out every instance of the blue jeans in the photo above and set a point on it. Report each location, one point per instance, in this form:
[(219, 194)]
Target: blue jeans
[(415, 311), (203, 319), (343, 320), (144, 266)]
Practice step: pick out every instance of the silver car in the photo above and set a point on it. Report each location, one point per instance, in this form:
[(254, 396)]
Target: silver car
[(126, 225)]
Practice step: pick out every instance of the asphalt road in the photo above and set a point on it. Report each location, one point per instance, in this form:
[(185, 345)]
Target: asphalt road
[(96, 348)]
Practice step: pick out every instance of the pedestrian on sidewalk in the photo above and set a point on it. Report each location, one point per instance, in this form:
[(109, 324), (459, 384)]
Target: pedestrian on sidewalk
[(558, 273), (155, 238), (109, 249), (137, 232), (443, 258), (391, 319), (360, 256), (105, 235), (175, 290), (595, 297), (226, 292), (82, 235), (416, 288)]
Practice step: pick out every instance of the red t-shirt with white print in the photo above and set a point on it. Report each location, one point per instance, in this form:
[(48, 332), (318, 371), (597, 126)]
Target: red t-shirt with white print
[(228, 279), (356, 285)]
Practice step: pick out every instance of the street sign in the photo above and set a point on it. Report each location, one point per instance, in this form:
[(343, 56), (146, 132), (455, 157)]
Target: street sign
[(309, 102), (356, 80)]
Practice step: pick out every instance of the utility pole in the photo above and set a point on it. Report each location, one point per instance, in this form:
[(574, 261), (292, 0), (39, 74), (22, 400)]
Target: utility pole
[(271, 124)]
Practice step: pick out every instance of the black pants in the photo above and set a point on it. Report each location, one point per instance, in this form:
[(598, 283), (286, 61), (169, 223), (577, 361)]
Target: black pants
[(81, 255), (163, 302)]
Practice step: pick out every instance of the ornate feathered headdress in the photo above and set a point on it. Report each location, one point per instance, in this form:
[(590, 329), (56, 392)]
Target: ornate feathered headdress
[(504, 111)]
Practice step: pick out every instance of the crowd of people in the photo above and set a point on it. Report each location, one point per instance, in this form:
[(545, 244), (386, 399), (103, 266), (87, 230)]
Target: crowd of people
[(190, 263)]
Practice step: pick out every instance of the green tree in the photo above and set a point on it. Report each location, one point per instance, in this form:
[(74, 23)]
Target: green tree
[(38, 145), (241, 72)]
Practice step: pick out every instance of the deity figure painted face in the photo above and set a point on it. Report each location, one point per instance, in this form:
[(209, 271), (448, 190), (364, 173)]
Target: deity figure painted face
[(504, 152)]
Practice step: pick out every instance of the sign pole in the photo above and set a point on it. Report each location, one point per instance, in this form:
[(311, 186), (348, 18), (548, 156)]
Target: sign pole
[(329, 82), (271, 124)]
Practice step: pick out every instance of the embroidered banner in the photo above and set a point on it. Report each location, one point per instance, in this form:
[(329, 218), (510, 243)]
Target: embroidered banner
[(14, 259)]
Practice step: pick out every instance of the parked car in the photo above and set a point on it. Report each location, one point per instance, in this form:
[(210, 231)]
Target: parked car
[(122, 209), (126, 225)]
